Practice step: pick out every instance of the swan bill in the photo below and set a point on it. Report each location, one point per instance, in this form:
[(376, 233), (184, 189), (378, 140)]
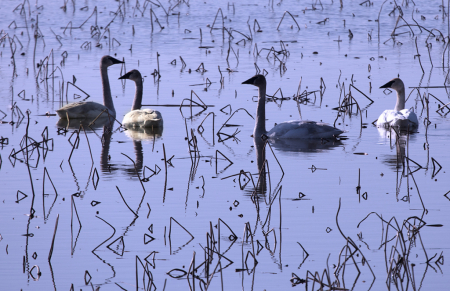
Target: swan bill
[(250, 81), (388, 84), (126, 76), (115, 61)]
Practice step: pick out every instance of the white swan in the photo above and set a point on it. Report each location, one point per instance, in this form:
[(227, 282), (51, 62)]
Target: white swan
[(294, 129), (137, 117), (399, 116), (92, 109)]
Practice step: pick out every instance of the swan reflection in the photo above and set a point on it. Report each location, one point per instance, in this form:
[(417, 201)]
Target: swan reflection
[(137, 135), (399, 140)]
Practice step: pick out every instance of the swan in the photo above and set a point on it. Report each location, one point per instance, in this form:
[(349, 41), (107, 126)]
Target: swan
[(294, 129), (91, 110), (137, 117), (399, 116)]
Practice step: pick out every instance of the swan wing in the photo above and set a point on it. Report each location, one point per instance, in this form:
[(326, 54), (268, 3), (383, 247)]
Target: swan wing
[(296, 129), (81, 110), (410, 115), (145, 118), (397, 118)]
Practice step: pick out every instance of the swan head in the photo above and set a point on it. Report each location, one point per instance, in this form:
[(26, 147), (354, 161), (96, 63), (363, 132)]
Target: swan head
[(396, 84), (257, 80), (133, 75), (107, 61)]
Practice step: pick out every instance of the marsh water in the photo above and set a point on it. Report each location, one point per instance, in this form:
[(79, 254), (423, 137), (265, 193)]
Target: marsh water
[(201, 204)]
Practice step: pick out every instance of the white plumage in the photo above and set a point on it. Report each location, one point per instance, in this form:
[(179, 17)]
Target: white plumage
[(400, 116), (295, 129), (137, 117), (145, 118)]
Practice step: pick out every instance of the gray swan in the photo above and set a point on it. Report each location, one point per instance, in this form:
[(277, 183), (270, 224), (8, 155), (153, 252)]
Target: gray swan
[(91, 110), (294, 129)]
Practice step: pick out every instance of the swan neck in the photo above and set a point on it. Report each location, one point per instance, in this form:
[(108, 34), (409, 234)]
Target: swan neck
[(400, 100), (137, 103), (260, 123), (107, 98)]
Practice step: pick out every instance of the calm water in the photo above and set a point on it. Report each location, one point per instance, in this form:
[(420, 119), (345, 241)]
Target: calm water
[(99, 241)]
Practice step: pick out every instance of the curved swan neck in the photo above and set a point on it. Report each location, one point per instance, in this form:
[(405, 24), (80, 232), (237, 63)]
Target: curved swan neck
[(260, 123), (107, 98), (137, 102), (400, 100)]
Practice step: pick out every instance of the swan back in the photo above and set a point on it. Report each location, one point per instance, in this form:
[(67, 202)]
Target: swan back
[(401, 118), (145, 118), (304, 129)]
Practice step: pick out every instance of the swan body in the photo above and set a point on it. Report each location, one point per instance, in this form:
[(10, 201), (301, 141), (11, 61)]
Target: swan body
[(79, 110), (145, 118), (400, 116), (295, 129), (304, 129), (137, 117), (397, 118), (91, 110)]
